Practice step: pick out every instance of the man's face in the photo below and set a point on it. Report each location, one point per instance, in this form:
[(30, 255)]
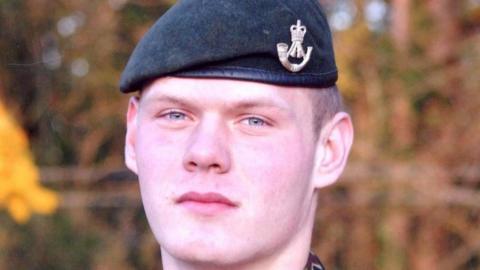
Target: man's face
[(224, 166)]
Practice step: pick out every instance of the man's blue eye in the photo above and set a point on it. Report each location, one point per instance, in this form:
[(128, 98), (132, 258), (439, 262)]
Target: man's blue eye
[(175, 116), (255, 121)]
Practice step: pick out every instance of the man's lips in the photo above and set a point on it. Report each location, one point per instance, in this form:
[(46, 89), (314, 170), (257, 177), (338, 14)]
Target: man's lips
[(205, 198)]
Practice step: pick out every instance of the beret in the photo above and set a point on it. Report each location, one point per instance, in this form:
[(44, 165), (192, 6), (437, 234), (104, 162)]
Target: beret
[(284, 42)]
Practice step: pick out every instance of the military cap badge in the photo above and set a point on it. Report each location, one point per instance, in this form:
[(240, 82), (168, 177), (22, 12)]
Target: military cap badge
[(298, 32)]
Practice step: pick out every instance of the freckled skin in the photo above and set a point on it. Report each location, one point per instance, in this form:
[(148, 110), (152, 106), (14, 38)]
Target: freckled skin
[(250, 142)]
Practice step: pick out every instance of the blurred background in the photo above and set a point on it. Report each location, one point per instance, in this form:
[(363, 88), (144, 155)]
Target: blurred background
[(409, 199)]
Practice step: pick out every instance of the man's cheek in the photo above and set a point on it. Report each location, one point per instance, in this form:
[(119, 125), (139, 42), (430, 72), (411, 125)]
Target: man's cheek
[(157, 149), (156, 170), (261, 169)]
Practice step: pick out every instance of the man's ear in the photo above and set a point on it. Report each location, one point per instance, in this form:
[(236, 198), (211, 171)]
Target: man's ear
[(332, 150), (130, 156)]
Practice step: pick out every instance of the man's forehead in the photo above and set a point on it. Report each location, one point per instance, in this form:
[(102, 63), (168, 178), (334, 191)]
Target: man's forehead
[(241, 94)]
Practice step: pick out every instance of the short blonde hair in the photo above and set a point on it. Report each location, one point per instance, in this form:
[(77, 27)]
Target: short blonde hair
[(326, 102)]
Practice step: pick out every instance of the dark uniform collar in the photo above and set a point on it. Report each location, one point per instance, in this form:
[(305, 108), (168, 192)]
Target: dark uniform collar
[(313, 263)]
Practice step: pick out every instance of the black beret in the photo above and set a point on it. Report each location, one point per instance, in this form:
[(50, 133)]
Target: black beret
[(237, 39)]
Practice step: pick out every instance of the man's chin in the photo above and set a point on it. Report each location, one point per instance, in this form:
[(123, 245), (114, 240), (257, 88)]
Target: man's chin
[(204, 256), (211, 243)]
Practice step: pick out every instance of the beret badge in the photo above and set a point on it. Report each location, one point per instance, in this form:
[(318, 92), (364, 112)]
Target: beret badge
[(296, 50)]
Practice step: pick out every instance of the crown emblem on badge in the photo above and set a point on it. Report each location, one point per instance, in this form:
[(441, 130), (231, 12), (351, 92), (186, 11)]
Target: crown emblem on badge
[(298, 32)]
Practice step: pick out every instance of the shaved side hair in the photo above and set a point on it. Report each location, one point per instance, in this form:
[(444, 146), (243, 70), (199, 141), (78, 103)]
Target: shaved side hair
[(326, 102)]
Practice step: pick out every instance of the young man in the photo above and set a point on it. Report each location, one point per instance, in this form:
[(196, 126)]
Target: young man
[(234, 131)]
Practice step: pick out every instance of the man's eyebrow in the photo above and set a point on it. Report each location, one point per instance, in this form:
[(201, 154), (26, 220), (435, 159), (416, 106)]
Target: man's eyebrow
[(170, 100), (242, 104), (257, 103)]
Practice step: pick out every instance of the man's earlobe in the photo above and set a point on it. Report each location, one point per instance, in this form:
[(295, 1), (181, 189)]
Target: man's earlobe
[(130, 155), (333, 148)]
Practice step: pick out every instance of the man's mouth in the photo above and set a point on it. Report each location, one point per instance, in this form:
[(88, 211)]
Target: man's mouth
[(209, 203)]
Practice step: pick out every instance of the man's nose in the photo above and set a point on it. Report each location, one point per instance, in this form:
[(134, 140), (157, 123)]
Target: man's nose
[(208, 148)]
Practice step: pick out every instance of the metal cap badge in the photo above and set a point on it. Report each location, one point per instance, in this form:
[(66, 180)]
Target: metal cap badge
[(298, 32)]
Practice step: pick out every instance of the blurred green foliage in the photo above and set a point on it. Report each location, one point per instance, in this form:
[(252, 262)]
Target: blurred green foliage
[(37, 246)]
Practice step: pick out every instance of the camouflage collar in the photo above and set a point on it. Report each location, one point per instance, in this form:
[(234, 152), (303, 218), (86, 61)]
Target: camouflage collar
[(313, 263)]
